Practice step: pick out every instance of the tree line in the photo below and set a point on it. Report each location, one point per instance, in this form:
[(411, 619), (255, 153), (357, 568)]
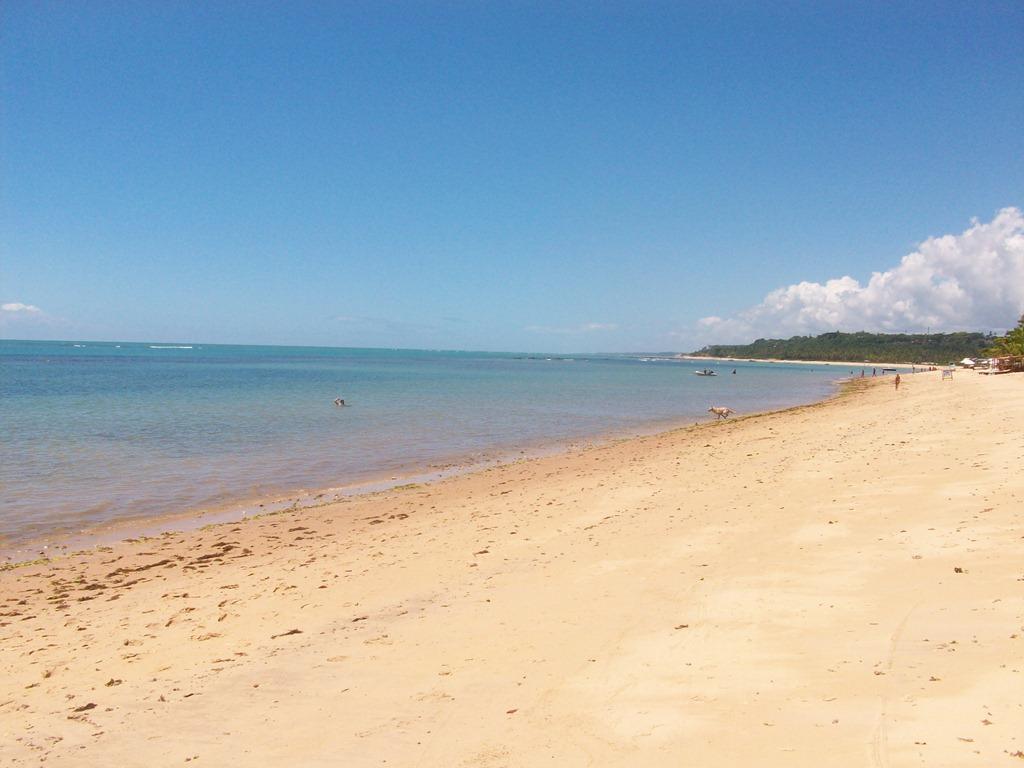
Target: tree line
[(938, 348), (1010, 344)]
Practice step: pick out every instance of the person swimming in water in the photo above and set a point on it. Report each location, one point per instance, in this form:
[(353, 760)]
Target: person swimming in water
[(339, 402)]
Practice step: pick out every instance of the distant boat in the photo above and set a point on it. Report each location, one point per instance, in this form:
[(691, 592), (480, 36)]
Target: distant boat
[(705, 372)]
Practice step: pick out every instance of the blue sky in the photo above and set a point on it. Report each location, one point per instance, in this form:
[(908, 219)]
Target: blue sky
[(508, 176)]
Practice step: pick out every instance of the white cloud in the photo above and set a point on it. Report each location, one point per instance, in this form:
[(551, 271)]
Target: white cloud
[(970, 281), (18, 307), (574, 329)]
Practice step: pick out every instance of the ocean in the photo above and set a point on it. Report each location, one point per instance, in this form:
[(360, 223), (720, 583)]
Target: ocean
[(94, 433)]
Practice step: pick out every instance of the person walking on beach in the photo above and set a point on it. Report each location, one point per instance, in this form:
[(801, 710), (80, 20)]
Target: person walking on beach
[(897, 382)]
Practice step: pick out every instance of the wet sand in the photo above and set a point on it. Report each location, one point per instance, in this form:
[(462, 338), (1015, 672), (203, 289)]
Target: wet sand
[(836, 584)]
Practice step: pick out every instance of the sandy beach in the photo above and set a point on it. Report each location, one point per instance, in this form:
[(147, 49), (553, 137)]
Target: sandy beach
[(837, 363), (838, 584)]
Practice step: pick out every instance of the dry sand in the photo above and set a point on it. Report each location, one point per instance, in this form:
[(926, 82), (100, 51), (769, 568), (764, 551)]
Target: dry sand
[(840, 585)]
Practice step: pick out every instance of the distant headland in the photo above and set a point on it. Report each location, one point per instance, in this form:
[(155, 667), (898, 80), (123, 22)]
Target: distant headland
[(935, 348)]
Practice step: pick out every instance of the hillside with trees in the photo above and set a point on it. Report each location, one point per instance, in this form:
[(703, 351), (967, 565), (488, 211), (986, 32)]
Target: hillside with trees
[(939, 348), (1010, 344)]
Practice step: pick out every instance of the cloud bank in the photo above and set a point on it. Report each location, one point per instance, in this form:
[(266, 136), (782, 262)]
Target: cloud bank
[(970, 281), (17, 307), (19, 318)]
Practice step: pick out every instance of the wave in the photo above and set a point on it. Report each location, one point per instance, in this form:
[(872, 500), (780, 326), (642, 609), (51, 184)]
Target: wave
[(169, 346)]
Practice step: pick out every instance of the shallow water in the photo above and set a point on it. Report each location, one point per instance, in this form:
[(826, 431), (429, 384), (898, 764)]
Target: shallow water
[(101, 432)]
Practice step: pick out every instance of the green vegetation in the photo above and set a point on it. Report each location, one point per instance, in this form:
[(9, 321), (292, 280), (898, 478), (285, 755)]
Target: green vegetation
[(1010, 344), (937, 348)]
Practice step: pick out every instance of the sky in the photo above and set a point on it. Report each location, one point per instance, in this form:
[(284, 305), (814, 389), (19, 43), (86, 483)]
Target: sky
[(508, 176)]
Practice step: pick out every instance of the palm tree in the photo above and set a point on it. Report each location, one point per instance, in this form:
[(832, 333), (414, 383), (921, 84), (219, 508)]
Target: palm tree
[(1010, 344)]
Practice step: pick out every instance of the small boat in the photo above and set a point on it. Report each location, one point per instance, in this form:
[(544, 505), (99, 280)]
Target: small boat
[(705, 372)]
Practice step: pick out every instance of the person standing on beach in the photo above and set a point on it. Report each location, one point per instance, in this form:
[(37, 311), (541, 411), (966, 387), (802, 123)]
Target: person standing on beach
[(897, 382)]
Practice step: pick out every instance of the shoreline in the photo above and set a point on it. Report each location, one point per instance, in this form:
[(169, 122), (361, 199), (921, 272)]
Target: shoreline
[(67, 541), (837, 578), (805, 362)]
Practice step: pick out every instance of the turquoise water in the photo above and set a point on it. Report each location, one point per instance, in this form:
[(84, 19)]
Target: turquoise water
[(99, 432)]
